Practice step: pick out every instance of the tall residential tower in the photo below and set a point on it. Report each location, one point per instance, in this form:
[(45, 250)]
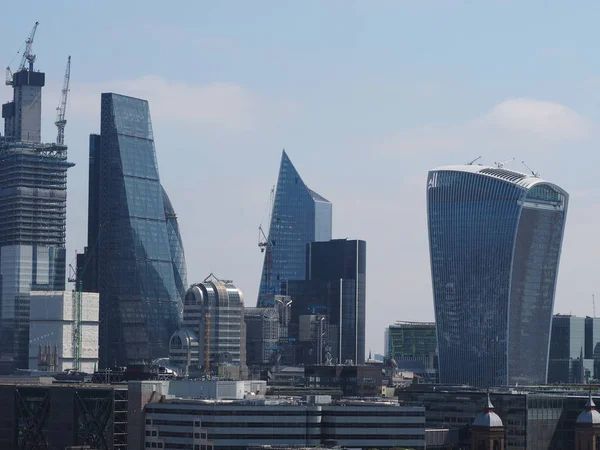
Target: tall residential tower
[(495, 239), (134, 257), (299, 216)]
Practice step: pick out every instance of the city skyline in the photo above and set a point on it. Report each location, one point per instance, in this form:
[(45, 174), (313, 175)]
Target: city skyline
[(363, 129)]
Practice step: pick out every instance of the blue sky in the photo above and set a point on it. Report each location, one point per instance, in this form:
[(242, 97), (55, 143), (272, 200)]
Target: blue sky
[(365, 96)]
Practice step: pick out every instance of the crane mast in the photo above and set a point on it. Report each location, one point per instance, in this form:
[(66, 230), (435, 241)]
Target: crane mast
[(27, 56), (61, 110)]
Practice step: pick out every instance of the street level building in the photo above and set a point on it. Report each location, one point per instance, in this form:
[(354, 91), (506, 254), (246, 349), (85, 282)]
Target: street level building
[(134, 257), (495, 238), (299, 216)]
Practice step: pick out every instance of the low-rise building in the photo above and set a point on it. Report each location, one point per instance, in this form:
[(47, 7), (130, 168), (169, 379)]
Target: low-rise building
[(235, 425)]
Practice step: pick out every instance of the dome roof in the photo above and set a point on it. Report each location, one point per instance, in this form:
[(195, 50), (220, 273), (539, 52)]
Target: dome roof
[(590, 415), (488, 418)]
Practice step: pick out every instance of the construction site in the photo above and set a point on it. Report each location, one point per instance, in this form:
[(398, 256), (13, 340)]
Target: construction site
[(33, 203)]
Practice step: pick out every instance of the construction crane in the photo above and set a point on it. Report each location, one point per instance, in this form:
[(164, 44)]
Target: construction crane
[(265, 243), (61, 109), (27, 57)]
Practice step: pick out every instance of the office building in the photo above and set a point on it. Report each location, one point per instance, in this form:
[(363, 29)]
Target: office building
[(299, 216), (412, 346), (574, 357), (134, 257), (495, 240), (53, 334), (238, 424), (335, 288), (213, 323), (33, 183), (262, 335)]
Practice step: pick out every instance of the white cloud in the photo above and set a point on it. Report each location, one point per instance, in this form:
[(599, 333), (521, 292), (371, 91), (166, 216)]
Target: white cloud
[(511, 125), (546, 120), (216, 105)]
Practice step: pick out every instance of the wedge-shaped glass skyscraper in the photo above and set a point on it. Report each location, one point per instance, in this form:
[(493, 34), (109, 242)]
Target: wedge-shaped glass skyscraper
[(495, 238), (299, 216), (134, 257)]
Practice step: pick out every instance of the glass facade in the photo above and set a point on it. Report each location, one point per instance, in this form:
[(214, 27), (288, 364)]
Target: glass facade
[(299, 216), (336, 289), (135, 256), (495, 238), (574, 350)]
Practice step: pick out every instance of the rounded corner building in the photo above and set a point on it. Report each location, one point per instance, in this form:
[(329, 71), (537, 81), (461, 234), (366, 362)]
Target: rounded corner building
[(495, 239)]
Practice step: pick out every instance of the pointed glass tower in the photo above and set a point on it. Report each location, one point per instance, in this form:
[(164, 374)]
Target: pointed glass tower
[(299, 216)]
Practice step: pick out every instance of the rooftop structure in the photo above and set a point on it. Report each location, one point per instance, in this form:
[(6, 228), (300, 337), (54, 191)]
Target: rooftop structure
[(495, 239)]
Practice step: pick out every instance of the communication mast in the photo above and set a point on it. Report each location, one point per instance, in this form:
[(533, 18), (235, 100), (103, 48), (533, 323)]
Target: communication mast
[(61, 109)]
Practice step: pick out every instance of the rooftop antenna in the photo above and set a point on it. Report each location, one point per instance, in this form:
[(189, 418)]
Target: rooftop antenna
[(474, 161), (535, 174), (594, 304), (500, 165)]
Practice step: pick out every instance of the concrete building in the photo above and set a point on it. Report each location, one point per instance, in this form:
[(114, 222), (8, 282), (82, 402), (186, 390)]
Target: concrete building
[(33, 182), (235, 425), (53, 321), (495, 239), (214, 325)]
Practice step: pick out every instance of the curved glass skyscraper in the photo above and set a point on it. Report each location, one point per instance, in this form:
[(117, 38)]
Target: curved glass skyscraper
[(134, 257), (299, 216), (495, 238)]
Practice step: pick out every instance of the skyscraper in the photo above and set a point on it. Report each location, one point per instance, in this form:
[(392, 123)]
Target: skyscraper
[(495, 239), (33, 203), (335, 288), (134, 257), (299, 216)]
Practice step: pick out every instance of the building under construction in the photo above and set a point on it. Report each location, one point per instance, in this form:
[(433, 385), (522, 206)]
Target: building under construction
[(33, 198)]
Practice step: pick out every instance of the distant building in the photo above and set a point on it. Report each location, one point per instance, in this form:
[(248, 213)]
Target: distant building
[(134, 257), (299, 216), (213, 323), (335, 288), (53, 321), (262, 334), (413, 347), (354, 381), (574, 349), (495, 238)]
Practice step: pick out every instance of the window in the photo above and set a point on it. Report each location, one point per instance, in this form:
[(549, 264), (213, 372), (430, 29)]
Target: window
[(154, 433), (147, 432)]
